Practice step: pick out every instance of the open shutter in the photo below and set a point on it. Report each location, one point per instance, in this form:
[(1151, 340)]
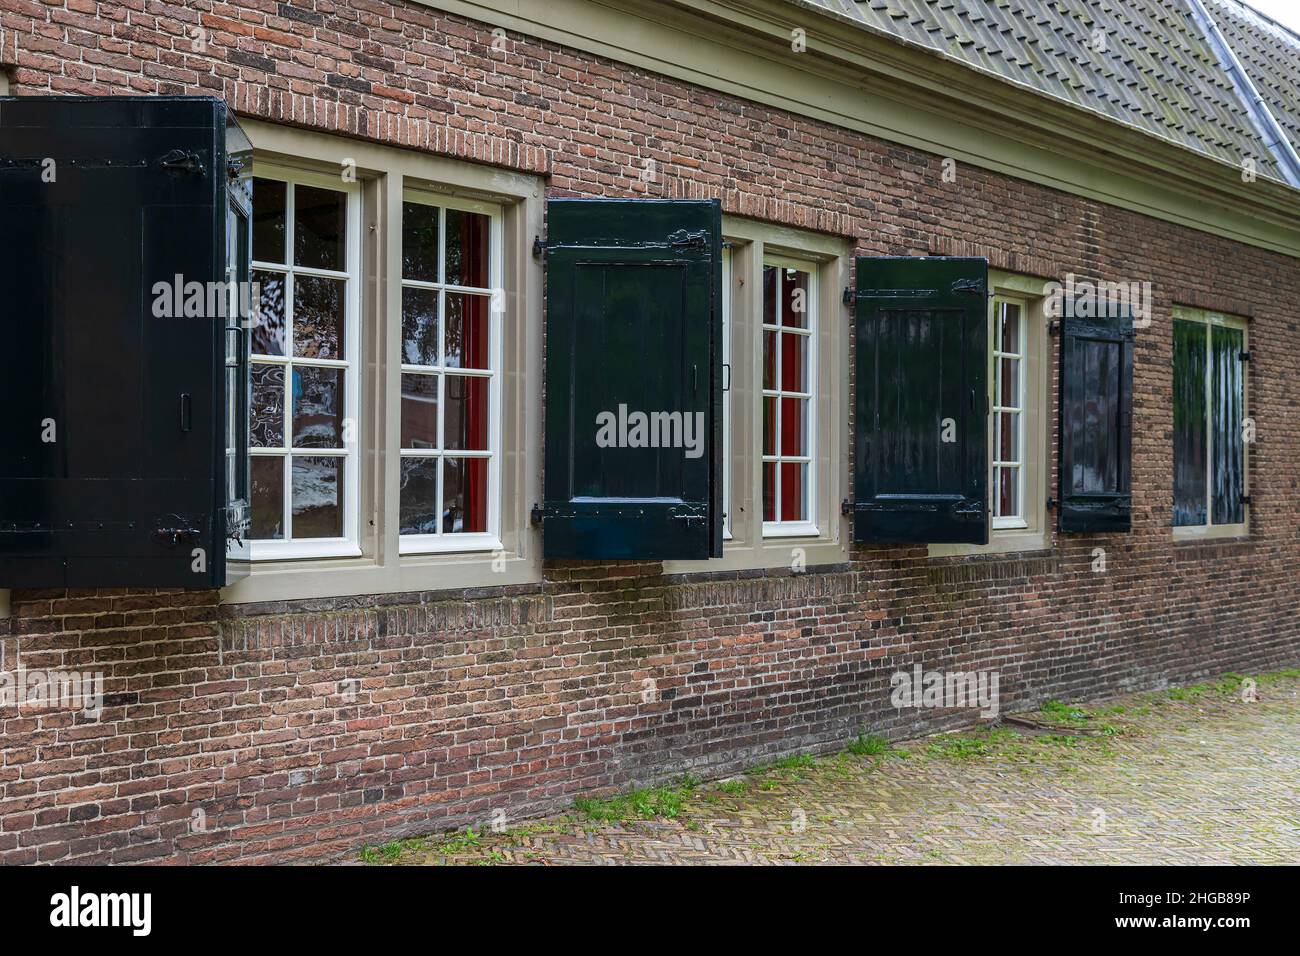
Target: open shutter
[(921, 444), (633, 379), (1096, 423)]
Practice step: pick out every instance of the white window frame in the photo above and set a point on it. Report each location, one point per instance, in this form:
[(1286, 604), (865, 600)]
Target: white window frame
[(490, 539), (807, 527), (1018, 520), (1235, 529), (348, 545)]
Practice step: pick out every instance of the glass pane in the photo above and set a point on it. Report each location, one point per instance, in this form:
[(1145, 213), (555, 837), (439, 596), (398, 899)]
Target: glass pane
[(464, 495), (769, 295), (419, 327), (419, 411), (267, 498), (267, 418), (794, 491), (1227, 417), (318, 317), (319, 228), (467, 249), (467, 330), (466, 410), (769, 491), (419, 242), (317, 407), (794, 363), (794, 427), (1009, 382), (1008, 436), (232, 406), (1009, 328), (317, 497), (795, 304), (268, 220), (1190, 494), (419, 496), (769, 426), (269, 322), (769, 360), (1008, 492)]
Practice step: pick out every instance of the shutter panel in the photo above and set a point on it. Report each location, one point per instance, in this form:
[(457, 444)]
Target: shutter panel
[(1095, 445), (633, 379), (921, 444)]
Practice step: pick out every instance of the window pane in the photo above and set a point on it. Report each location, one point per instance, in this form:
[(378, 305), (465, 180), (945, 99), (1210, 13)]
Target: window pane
[(317, 497), (769, 295), (419, 242), (467, 330), (317, 407), (467, 249), (419, 496), (419, 411), (466, 408), (419, 327), (317, 317), (794, 363), (794, 299), (769, 491), (1227, 414), (319, 228), (267, 497), (268, 220), (1009, 436), (267, 423), (794, 427), (1009, 383), (1189, 423), (769, 426), (464, 495), (1008, 492), (769, 360), (1009, 328), (269, 323), (794, 491)]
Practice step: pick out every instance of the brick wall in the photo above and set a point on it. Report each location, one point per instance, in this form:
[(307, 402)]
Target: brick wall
[(287, 731)]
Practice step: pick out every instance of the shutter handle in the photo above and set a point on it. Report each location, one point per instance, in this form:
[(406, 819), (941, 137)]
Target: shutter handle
[(187, 412)]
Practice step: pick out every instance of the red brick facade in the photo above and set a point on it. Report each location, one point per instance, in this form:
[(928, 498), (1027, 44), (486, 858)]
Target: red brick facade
[(518, 699)]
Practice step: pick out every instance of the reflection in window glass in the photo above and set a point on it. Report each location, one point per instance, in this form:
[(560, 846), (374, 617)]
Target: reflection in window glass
[(1209, 418), (787, 395), (1008, 409)]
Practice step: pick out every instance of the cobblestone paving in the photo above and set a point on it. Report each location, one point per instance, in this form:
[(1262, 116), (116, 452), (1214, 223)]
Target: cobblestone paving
[(1197, 775)]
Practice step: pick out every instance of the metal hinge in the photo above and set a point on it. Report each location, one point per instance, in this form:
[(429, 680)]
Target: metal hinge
[(537, 514), (1051, 504), (683, 238), (847, 506), (1054, 327), (849, 295), (1247, 356), (539, 249), (1244, 499), (181, 161), (969, 287)]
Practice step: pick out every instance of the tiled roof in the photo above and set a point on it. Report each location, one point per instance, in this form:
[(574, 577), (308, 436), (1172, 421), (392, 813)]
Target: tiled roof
[(1270, 54), (1145, 63)]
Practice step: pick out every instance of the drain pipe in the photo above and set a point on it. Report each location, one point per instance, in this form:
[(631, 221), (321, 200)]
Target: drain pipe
[(1265, 122)]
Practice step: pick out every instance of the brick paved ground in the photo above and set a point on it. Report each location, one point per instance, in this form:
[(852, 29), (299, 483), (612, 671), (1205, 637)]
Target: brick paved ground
[(1195, 775)]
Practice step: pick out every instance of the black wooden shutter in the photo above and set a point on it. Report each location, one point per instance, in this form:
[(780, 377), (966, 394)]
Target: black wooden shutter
[(921, 444), (1096, 423), (633, 379)]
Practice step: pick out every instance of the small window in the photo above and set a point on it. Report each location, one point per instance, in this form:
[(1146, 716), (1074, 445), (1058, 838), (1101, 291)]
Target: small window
[(1009, 340), (451, 359), (303, 440), (788, 397), (1209, 424)]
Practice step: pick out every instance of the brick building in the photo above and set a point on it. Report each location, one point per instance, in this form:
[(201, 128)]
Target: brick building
[(403, 656)]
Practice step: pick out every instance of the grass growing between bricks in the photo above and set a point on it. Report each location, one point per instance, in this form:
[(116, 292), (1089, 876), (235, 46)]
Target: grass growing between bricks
[(1065, 738)]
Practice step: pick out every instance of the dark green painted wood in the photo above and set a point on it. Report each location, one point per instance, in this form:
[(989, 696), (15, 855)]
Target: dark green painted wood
[(633, 325), (1096, 412), (921, 376)]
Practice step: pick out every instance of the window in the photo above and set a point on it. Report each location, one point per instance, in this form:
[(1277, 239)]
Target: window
[(1008, 478), (726, 392), (451, 382), (788, 407), (304, 373), (1210, 424)]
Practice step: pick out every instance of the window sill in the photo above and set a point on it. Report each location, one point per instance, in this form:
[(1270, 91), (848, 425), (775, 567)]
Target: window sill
[(299, 550), (418, 544), (1001, 541), (1215, 532), (793, 529)]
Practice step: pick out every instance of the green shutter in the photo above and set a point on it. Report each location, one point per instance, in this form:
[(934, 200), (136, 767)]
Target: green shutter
[(1095, 447), (633, 380), (921, 442)]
